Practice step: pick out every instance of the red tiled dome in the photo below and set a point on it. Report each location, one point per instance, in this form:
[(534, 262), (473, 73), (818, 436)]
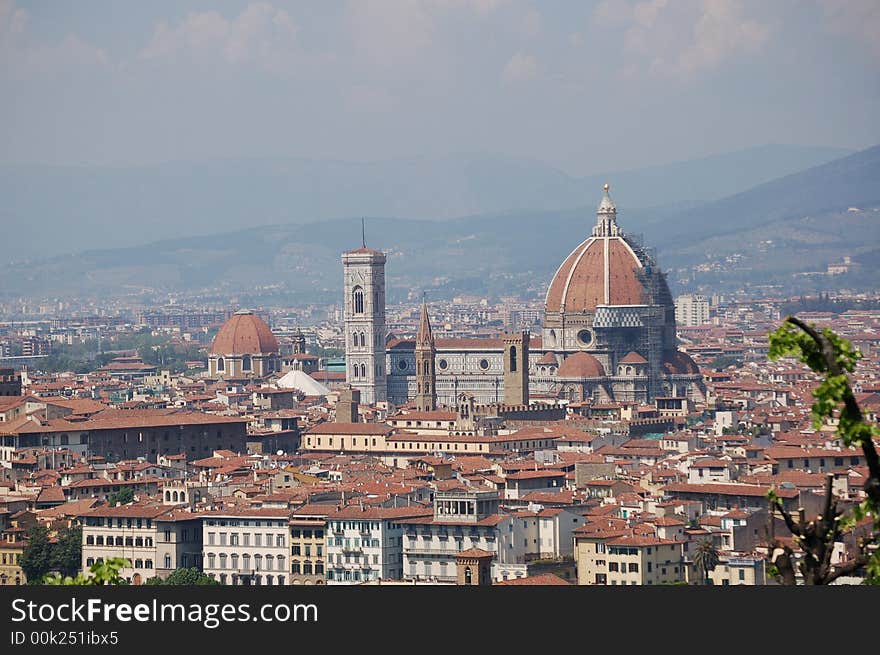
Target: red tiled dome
[(244, 334), (676, 362), (579, 284), (581, 365)]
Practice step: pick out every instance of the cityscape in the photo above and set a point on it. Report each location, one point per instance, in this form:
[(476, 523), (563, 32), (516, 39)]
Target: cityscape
[(293, 351)]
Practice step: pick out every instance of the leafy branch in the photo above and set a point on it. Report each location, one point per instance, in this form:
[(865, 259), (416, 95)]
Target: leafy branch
[(834, 358)]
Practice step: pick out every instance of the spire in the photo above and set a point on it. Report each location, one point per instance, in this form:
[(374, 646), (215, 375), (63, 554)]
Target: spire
[(606, 216), (425, 337), (364, 231)]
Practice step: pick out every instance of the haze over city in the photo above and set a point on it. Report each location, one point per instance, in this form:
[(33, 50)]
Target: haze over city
[(440, 292)]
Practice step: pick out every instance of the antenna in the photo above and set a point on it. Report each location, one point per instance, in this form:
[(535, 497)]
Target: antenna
[(363, 233)]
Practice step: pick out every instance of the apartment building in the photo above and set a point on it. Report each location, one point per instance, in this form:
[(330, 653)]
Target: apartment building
[(622, 558), (463, 519), (366, 543), (308, 555), (248, 546)]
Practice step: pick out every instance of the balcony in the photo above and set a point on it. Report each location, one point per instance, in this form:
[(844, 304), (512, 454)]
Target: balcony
[(352, 549), (365, 533)]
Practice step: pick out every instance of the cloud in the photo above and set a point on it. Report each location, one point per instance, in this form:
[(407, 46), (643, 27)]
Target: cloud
[(260, 34), (21, 57), (682, 38), (520, 68), (856, 18)]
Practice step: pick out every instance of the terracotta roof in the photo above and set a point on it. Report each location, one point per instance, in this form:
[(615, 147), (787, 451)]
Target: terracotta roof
[(543, 579), (475, 553), (633, 357), (581, 365), (244, 333), (579, 284), (676, 362)]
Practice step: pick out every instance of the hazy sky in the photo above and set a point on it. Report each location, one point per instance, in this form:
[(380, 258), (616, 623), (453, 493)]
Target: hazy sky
[(585, 86)]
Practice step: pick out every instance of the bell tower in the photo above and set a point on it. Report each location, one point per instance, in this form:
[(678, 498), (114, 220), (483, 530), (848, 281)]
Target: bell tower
[(364, 284), (426, 379)]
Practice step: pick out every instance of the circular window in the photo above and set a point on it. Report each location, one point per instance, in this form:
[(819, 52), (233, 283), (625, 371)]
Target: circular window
[(585, 337), (401, 364), (442, 364), (484, 364)]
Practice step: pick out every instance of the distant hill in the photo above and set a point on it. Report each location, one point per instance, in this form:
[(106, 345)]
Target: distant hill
[(49, 210), (798, 223), (852, 181)]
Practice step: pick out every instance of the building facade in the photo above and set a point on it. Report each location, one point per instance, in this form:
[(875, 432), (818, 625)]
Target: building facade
[(247, 547), (364, 284)]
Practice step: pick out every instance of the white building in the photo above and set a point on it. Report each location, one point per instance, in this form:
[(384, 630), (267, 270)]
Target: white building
[(691, 310), (365, 544), (247, 546), (462, 520)]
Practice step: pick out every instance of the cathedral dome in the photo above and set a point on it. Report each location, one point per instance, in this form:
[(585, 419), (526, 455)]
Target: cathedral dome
[(244, 333), (581, 365), (678, 363), (603, 270)]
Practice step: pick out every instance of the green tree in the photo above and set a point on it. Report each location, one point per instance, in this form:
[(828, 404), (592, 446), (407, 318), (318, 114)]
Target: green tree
[(191, 576), (67, 551), (834, 359), (100, 573), (121, 497), (705, 559), (37, 559)]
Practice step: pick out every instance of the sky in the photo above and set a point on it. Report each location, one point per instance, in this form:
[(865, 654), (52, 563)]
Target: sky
[(582, 86)]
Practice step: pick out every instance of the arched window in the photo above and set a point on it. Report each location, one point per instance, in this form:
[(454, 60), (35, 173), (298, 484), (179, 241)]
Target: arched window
[(221, 365), (358, 300), (513, 358), (167, 496), (363, 339), (294, 567), (246, 363), (363, 371), (175, 496), (355, 371), (467, 575), (427, 368)]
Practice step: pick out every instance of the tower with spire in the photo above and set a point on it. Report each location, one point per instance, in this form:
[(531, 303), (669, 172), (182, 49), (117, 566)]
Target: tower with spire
[(426, 379)]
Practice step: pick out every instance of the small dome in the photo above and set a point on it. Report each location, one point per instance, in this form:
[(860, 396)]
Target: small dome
[(244, 334), (549, 358), (581, 365), (633, 358), (676, 362)]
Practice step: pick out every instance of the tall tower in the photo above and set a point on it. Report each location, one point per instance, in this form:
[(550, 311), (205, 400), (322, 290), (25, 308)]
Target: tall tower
[(516, 368), (426, 381), (364, 282)]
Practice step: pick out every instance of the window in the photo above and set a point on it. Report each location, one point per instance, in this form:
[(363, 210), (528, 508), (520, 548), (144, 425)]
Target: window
[(294, 567), (296, 550), (167, 561), (221, 365), (246, 363), (633, 567), (358, 300), (742, 574), (614, 567), (258, 539)]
